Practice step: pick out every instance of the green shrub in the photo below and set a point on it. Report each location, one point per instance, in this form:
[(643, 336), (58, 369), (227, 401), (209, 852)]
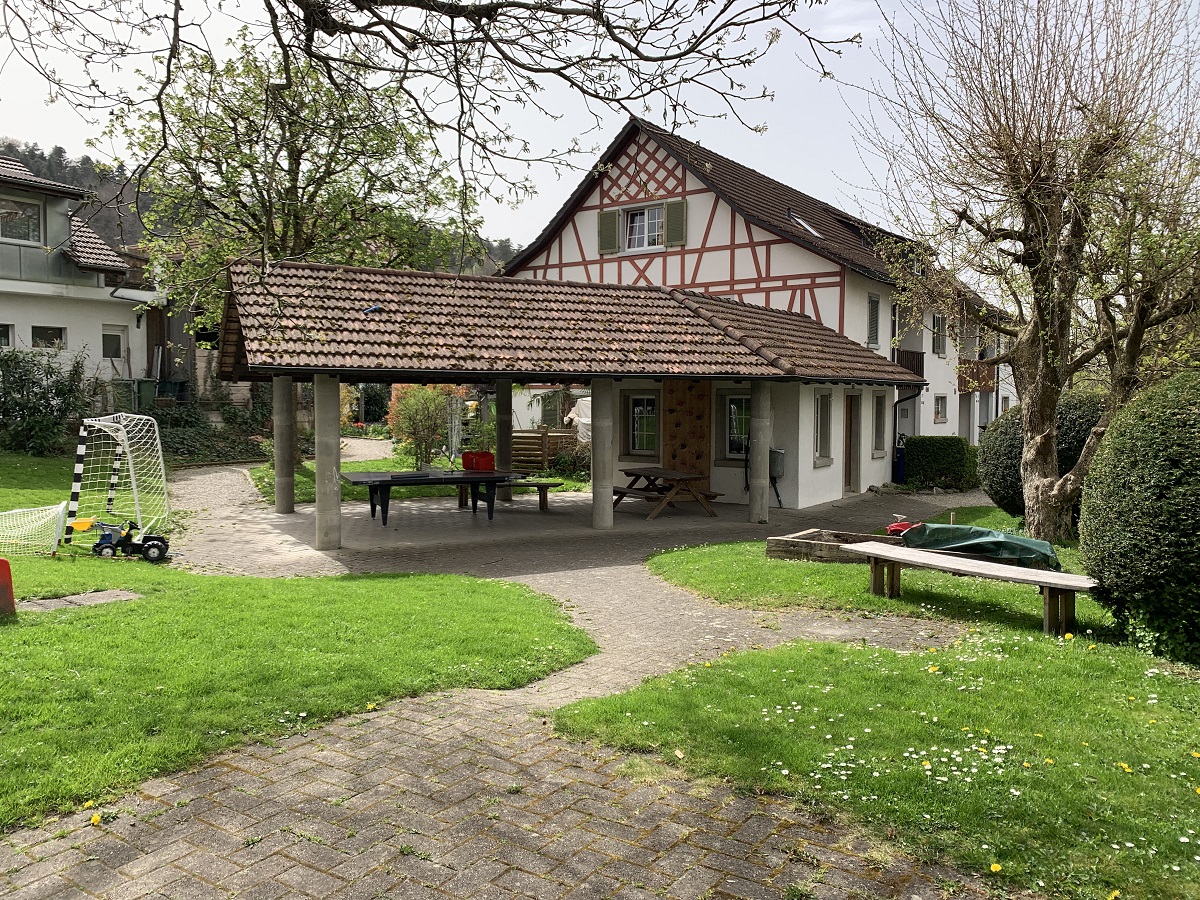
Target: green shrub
[(937, 461), (39, 396), (1140, 520), (1002, 442)]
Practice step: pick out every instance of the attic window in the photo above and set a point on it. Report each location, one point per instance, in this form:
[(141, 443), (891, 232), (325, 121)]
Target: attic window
[(799, 221)]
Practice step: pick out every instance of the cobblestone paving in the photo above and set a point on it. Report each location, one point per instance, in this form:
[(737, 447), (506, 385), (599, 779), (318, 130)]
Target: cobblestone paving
[(469, 794)]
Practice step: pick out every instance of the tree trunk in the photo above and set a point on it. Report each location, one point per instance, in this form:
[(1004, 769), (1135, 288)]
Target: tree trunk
[(1047, 511)]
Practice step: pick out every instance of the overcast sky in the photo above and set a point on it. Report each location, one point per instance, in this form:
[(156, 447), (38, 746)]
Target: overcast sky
[(809, 143)]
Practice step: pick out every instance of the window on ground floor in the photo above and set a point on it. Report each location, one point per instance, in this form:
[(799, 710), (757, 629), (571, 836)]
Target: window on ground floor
[(49, 337), (112, 342), (939, 408), (733, 411), (823, 428), (879, 422), (639, 423)]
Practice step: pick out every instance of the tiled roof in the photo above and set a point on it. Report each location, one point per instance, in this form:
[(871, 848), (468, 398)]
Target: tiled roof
[(13, 171), (378, 323), (89, 251), (772, 205)]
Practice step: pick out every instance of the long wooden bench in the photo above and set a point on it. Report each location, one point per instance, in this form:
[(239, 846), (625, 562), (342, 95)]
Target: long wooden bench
[(1058, 588), (542, 487)]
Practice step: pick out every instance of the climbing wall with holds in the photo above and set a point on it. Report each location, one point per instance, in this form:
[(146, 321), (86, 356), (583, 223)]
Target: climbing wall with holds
[(686, 431)]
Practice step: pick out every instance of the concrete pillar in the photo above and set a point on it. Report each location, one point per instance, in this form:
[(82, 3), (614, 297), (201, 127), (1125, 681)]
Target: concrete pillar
[(760, 451), (602, 453), (327, 411), (504, 390), (283, 414)]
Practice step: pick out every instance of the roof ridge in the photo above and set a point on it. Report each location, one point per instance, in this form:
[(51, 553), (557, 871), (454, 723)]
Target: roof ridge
[(754, 345), (451, 276)]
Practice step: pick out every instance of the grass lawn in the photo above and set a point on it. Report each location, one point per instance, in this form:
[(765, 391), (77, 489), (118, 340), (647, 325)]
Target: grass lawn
[(264, 480), (30, 481), (1069, 767), (95, 700)]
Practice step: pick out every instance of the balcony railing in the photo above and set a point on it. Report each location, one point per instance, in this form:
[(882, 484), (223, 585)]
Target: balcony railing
[(913, 360), (975, 376)]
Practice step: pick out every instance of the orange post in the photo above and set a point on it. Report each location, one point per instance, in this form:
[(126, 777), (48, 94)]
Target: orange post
[(8, 602)]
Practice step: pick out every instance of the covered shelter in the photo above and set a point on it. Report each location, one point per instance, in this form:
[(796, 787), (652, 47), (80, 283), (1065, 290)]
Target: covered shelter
[(290, 321)]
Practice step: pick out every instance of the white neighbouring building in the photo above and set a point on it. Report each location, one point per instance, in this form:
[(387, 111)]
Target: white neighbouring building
[(59, 280), (660, 210)]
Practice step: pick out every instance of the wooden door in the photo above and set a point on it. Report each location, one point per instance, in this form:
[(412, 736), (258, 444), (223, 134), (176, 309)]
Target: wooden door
[(850, 446)]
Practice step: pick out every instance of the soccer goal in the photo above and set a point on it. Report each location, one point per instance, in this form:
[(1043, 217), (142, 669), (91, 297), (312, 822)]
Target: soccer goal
[(119, 473), (28, 532)]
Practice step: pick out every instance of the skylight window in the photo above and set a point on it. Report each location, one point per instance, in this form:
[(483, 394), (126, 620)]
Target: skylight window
[(799, 221)]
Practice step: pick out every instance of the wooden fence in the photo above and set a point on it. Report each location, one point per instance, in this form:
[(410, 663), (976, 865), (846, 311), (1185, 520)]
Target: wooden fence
[(533, 450)]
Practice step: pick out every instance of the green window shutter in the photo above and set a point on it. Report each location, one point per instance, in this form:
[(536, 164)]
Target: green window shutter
[(608, 231), (872, 320), (675, 228)]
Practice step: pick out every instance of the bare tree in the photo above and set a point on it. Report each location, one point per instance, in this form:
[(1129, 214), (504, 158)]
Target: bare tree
[(1044, 153), (462, 66)]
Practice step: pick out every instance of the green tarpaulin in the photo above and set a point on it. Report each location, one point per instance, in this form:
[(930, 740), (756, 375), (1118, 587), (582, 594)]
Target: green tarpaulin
[(983, 542)]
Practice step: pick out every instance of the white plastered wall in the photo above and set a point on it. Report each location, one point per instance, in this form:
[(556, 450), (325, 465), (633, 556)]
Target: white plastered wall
[(83, 313)]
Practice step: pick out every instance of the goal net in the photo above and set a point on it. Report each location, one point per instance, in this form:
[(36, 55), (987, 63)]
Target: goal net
[(119, 473), (27, 532)]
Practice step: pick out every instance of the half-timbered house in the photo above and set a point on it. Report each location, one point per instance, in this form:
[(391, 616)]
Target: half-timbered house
[(660, 210)]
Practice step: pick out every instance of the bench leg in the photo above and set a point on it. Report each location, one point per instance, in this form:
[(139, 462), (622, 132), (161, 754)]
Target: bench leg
[(878, 569), (1058, 613), (462, 496), (543, 499), (893, 579), (1066, 610)]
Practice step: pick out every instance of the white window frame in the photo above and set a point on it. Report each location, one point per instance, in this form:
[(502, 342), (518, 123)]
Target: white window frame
[(878, 425), (944, 401), (1005, 402), (29, 201), (118, 331), (628, 400), (61, 342), (627, 216), (823, 434), (8, 335)]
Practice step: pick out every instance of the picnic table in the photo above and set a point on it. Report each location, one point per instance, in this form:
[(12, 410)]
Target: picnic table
[(1058, 588), (666, 486), (482, 485)]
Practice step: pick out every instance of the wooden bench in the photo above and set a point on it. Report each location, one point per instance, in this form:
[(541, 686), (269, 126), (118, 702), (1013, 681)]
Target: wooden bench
[(1058, 588), (542, 487)]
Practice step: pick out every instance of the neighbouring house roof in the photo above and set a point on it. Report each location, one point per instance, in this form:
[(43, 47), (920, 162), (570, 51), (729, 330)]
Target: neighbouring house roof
[(765, 202), (387, 325), (14, 172), (89, 251)]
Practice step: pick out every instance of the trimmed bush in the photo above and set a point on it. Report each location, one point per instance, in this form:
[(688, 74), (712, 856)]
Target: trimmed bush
[(938, 461), (1140, 520), (1002, 441)]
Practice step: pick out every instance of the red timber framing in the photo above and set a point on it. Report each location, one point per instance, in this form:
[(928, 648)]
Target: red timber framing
[(735, 258)]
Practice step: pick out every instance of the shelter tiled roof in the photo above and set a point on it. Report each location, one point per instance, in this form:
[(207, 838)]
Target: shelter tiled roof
[(14, 172), (765, 202), (89, 251), (379, 324)]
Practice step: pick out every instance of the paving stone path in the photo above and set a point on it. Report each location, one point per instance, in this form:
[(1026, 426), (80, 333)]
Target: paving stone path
[(469, 794)]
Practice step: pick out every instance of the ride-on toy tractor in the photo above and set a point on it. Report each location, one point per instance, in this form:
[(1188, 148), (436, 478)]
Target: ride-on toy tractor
[(120, 538)]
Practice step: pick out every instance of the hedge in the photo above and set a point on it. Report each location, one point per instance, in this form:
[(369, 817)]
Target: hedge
[(1140, 519), (943, 461)]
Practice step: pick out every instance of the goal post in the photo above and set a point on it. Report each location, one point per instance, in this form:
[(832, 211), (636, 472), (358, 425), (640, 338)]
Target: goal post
[(119, 473)]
